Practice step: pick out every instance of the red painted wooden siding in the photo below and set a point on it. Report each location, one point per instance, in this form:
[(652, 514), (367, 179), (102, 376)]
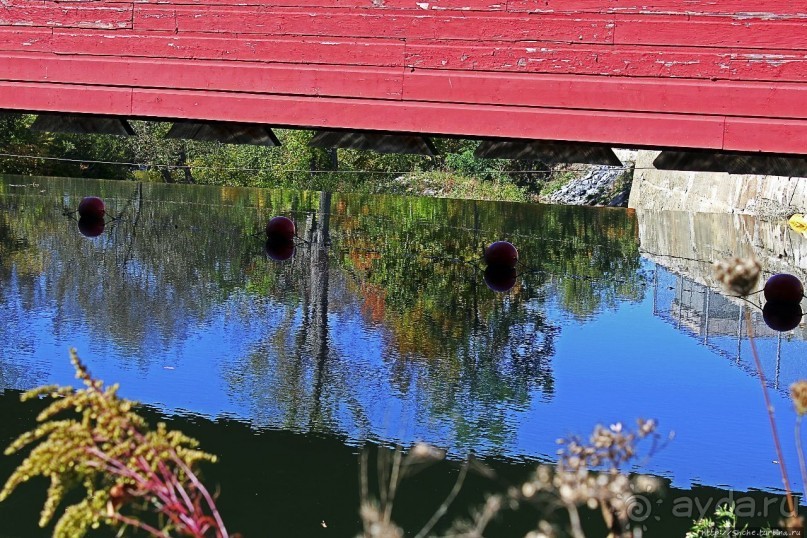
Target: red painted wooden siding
[(721, 74)]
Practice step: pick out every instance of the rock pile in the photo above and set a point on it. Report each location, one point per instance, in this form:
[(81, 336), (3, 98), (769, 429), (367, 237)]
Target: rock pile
[(601, 185)]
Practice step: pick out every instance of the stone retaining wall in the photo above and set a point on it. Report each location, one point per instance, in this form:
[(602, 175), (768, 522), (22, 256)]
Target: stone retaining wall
[(769, 197)]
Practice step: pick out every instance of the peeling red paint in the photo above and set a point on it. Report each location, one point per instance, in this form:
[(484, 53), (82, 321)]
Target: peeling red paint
[(678, 73)]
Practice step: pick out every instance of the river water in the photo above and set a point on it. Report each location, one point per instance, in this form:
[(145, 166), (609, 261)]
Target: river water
[(381, 330)]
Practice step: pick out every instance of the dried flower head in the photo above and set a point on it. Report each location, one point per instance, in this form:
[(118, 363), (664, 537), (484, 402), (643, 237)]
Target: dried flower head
[(424, 451), (738, 275), (588, 473), (798, 393), (377, 524), (545, 530)]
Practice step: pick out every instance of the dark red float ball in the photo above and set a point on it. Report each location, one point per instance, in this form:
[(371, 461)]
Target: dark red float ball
[(501, 254), (500, 279), (279, 250), (784, 287), (782, 315), (91, 206), (280, 228), (91, 226)]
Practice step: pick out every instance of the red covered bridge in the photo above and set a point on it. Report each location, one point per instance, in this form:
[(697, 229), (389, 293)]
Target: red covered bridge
[(717, 74)]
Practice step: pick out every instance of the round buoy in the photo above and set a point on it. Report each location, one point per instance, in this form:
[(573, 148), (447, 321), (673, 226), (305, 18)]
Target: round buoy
[(91, 206), (501, 254), (784, 287), (500, 279), (279, 250), (91, 226), (782, 315), (280, 228)]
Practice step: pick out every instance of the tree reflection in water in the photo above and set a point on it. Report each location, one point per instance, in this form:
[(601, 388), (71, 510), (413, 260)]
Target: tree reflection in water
[(457, 353), (382, 311)]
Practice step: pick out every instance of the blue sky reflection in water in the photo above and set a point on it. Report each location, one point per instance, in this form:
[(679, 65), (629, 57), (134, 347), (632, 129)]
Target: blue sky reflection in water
[(377, 330)]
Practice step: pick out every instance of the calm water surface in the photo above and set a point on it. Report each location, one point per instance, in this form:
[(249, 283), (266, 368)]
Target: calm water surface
[(381, 329)]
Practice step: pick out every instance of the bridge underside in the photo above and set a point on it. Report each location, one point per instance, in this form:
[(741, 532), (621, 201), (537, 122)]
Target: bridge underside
[(728, 75)]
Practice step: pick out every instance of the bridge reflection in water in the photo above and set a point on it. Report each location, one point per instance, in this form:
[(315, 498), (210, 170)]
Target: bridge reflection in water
[(684, 246), (719, 322)]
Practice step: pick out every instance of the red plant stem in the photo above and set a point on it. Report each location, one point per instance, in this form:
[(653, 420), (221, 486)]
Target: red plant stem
[(166, 483), (139, 524), (163, 488), (785, 480), (176, 487), (220, 529)]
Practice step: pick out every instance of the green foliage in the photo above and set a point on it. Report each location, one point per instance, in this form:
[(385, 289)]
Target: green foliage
[(101, 446), (451, 185), (16, 138), (259, 166), (722, 524), (166, 157), (459, 158), (149, 156)]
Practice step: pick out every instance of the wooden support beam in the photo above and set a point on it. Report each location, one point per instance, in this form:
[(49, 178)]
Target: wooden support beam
[(72, 124), (689, 161), (547, 152), (224, 132), (732, 163), (766, 165), (380, 142)]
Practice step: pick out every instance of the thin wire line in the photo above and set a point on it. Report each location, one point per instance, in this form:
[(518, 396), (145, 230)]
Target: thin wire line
[(179, 166), (173, 166)]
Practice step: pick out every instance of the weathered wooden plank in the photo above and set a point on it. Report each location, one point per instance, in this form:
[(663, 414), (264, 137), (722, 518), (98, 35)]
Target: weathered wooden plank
[(680, 30), (79, 99), (160, 19), (605, 71), (764, 134), (15, 38), (401, 24), (602, 93), (686, 62), (425, 5), (660, 130), (772, 9), (322, 80), (26, 13), (785, 100), (449, 119), (344, 51)]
